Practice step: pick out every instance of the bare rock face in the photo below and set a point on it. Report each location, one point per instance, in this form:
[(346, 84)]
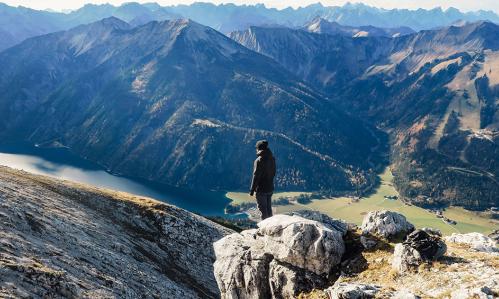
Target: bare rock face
[(419, 247), (494, 235), (241, 268), (283, 257), (302, 243), (352, 291), (405, 258), (286, 280), (386, 224), (66, 240), (368, 241), (334, 224), (476, 241)]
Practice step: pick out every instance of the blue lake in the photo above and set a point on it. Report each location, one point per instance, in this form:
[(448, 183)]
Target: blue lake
[(61, 163)]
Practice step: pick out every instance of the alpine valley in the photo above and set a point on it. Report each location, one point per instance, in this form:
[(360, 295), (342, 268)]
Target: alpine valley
[(384, 125), (146, 92), (434, 92)]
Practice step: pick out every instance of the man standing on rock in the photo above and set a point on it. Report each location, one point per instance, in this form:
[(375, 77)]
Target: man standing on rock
[(263, 178)]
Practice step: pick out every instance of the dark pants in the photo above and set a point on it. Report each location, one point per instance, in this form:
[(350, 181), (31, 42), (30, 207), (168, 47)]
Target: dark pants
[(264, 202)]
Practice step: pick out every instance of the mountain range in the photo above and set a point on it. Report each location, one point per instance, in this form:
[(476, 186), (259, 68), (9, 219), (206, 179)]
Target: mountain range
[(434, 91), (321, 25), (19, 23), (179, 103)]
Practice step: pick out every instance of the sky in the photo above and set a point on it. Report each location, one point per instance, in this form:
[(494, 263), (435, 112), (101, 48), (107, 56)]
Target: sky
[(464, 5)]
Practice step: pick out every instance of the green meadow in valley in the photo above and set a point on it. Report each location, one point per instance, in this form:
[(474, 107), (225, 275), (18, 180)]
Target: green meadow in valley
[(353, 211)]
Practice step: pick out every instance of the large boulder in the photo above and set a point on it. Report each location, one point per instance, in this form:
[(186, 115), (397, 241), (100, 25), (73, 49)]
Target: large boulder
[(405, 258), (241, 266), (333, 224), (352, 291), (386, 224), (286, 255), (419, 247), (476, 241), (302, 243)]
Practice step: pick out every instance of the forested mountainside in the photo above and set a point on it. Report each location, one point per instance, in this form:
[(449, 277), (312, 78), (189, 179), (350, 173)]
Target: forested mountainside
[(19, 23), (435, 92), (179, 103)]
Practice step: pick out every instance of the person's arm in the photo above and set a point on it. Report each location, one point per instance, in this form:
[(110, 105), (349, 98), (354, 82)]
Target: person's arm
[(257, 174), (274, 167)]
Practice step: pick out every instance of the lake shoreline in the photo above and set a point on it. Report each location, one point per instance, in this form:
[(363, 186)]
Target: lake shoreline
[(60, 162)]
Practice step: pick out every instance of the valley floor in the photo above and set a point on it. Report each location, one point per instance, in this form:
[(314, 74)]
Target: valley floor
[(354, 210)]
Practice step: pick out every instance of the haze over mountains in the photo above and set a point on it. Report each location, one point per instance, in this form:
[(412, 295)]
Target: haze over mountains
[(17, 24)]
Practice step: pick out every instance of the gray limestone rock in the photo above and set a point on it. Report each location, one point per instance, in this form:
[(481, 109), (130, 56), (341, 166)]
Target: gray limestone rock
[(386, 224), (352, 291), (286, 255)]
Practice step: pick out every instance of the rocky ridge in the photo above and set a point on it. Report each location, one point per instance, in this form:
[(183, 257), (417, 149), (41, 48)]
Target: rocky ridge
[(65, 240)]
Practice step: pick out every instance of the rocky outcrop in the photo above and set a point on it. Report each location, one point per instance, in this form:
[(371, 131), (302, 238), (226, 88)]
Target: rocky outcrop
[(476, 241), (64, 240), (352, 291), (286, 255), (287, 281), (386, 224), (405, 258), (419, 247), (494, 235), (466, 293)]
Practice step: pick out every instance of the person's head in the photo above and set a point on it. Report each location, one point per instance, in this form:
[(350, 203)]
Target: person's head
[(262, 145)]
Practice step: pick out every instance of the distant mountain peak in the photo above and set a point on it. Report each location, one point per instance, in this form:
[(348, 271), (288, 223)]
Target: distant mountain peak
[(115, 23), (322, 25)]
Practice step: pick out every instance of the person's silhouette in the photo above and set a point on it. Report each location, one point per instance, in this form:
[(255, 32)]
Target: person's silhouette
[(262, 184)]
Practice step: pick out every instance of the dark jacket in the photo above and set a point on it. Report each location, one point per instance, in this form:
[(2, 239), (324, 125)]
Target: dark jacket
[(263, 172)]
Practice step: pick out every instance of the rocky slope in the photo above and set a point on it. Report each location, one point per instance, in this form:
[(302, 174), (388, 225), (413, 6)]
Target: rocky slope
[(179, 103), (309, 255), (65, 240), (434, 91)]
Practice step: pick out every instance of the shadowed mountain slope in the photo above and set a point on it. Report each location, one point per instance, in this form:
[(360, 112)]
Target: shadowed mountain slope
[(179, 103), (435, 91)]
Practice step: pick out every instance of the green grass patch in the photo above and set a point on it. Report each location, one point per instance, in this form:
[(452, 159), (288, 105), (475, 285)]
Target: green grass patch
[(354, 211), (241, 197)]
